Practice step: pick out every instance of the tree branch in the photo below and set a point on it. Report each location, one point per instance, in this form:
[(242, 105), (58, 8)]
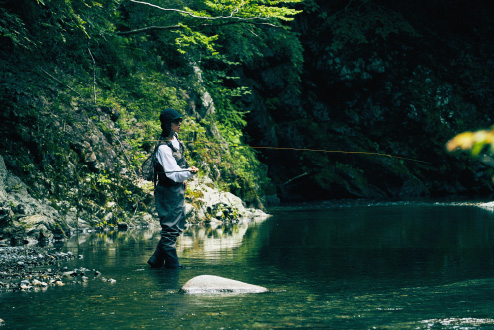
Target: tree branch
[(94, 73), (58, 81), (202, 17), (227, 20), (151, 28)]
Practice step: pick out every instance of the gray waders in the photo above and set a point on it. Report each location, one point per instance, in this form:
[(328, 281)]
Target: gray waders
[(170, 205)]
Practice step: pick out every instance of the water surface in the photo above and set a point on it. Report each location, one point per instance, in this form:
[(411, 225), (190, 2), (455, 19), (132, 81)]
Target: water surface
[(329, 265)]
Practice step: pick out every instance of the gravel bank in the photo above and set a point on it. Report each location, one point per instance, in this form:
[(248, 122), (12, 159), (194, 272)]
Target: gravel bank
[(36, 268)]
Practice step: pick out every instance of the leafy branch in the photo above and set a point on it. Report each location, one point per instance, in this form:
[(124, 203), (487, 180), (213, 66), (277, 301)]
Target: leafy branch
[(474, 142), (192, 13), (180, 26), (261, 12), (238, 14)]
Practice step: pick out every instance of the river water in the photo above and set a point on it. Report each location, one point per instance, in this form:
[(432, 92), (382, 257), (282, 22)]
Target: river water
[(354, 265)]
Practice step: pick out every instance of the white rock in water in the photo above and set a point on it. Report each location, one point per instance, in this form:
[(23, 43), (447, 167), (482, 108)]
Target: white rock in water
[(217, 284), (488, 206)]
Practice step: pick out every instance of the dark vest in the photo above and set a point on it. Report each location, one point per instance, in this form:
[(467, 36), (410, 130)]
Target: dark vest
[(178, 154)]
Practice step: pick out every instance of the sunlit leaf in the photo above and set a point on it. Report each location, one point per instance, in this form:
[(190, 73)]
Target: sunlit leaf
[(474, 142)]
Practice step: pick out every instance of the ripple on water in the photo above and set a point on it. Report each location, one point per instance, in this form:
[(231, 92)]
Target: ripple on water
[(456, 321), (348, 203)]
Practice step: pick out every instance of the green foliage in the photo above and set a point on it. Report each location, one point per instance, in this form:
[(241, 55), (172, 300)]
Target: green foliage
[(198, 25), (73, 59), (476, 143), (253, 9), (365, 23), (13, 28), (189, 41)]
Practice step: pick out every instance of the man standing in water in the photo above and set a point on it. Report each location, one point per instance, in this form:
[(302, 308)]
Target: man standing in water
[(172, 170)]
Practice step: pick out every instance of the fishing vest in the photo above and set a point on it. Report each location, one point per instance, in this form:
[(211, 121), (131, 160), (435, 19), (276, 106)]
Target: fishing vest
[(179, 156)]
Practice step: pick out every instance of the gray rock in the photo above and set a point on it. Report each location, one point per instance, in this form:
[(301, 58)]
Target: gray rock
[(5, 212), (216, 284), (487, 206), (212, 203), (3, 177), (24, 214), (71, 218)]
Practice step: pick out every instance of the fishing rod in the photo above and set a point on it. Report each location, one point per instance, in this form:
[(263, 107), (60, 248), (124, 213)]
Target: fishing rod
[(310, 150), (343, 152), (174, 171)]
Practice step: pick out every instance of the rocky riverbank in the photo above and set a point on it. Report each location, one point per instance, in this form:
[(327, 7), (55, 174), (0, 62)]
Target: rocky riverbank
[(30, 227), (37, 269), (25, 220)]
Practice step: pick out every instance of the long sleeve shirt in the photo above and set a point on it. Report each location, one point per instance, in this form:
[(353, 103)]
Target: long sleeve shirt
[(166, 159)]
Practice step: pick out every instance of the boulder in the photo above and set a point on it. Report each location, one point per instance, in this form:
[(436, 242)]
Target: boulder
[(209, 203), (6, 212), (3, 177), (37, 226), (217, 284), (487, 206)]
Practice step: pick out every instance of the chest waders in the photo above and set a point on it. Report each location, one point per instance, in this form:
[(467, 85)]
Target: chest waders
[(170, 205)]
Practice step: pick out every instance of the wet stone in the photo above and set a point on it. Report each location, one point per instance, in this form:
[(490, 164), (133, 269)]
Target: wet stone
[(36, 268), (211, 284)]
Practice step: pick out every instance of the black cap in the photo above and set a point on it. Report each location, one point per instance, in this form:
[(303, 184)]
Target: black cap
[(169, 115)]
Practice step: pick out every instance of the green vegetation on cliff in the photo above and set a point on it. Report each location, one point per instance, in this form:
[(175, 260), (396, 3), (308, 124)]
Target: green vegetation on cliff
[(84, 82)]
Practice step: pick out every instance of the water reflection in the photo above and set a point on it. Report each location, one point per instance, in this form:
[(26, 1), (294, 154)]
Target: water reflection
[(197, 242), (212, 242), (352, 267), (382, 246)]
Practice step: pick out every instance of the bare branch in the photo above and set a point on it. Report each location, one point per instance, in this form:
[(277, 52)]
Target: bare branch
[(94, 74), (149, 28), (227, 20), (58, 81), (201, 17), (161, 8), (344, 9)]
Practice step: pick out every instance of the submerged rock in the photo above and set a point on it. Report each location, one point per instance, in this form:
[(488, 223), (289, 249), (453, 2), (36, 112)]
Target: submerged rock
[(217, 284)]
